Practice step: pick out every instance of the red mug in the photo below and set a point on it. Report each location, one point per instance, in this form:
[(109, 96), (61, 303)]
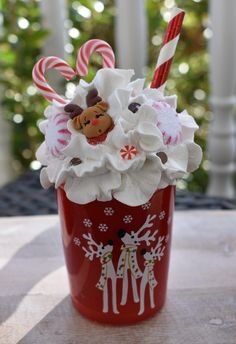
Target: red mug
[(117, 256)]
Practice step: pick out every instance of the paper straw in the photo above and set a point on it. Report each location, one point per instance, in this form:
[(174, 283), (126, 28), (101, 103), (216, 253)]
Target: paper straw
[(168, 49)]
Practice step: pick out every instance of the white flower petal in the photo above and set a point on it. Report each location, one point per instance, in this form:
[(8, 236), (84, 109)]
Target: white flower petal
[(118, 102), (107, 80), (149, 137), (87, 189), (116, 163), (42, 126), (146, 113), (117, 138), (154, 95), (189, 126), (138, 187), (79, 147), (44, 180), (42, 154), (165, 181), (194, 156), (136, 86), (176, 165)]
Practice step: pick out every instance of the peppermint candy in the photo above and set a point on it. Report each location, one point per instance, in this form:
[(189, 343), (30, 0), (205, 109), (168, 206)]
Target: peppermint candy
[(57, 136), (128, 152), (168, 123)]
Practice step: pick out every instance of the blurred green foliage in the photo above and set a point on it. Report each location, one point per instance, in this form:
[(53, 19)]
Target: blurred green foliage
[(21, 40)]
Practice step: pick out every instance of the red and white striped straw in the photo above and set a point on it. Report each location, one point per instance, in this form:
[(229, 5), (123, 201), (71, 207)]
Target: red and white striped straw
[(38, 75), (90, 47), (168, 49)]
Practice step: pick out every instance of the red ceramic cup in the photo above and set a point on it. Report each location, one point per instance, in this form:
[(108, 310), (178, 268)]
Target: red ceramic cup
[(117, 256)]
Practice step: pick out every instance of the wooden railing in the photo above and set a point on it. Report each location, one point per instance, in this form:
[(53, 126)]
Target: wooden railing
[(221, 139)]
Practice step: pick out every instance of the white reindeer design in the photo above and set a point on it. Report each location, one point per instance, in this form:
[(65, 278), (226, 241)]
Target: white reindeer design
[(104, 252), (148, 274), (128, 257)]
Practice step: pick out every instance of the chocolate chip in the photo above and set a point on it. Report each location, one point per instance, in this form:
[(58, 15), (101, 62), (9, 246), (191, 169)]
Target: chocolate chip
[(162, 156), (133, 107), (75, 161)]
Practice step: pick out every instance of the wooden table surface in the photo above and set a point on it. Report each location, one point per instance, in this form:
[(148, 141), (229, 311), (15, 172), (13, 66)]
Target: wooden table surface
[(201, 305)]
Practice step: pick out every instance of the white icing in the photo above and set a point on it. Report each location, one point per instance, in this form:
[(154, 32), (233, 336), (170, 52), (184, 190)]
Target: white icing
[(125, 165)]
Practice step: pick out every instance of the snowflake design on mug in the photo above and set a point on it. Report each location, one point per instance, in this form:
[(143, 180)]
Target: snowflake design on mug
[(167, 238), (162, 215), (77, 241), (146, 206), (103, 227), (108, 211), (87, 223), (127, 219)]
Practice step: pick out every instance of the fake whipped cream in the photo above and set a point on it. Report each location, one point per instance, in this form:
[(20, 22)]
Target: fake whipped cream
[(116, 139)]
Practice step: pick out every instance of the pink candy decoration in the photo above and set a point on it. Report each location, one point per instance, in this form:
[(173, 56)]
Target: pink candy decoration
[(128, 152), (38, 74), (90, 47), (57, 136), (168, 123)]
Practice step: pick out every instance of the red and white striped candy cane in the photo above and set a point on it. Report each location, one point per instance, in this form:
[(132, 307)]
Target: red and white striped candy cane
[(38, 74), (168, 49), (90, 47)]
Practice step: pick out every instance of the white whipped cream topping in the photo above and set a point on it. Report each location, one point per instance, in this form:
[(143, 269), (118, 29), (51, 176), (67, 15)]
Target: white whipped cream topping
[(124, 166)]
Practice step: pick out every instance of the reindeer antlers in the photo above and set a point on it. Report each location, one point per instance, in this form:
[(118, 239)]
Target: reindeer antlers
[(92, 97), (158, 250), (90, 253), (147, 237), (147, 224), (73, 110)]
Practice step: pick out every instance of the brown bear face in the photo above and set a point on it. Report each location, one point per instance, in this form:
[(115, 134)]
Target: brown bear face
[(93, 121)]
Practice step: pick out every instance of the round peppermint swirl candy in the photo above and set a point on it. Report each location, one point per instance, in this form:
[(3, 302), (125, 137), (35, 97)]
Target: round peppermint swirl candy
[(57, 136), (168, 123)]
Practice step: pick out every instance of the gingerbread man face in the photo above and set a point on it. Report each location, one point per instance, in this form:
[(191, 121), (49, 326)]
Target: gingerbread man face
[(93, 121)]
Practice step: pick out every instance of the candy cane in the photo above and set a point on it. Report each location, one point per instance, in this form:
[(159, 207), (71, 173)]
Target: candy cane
[(168, 49), (50, 62), (90, 47)]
